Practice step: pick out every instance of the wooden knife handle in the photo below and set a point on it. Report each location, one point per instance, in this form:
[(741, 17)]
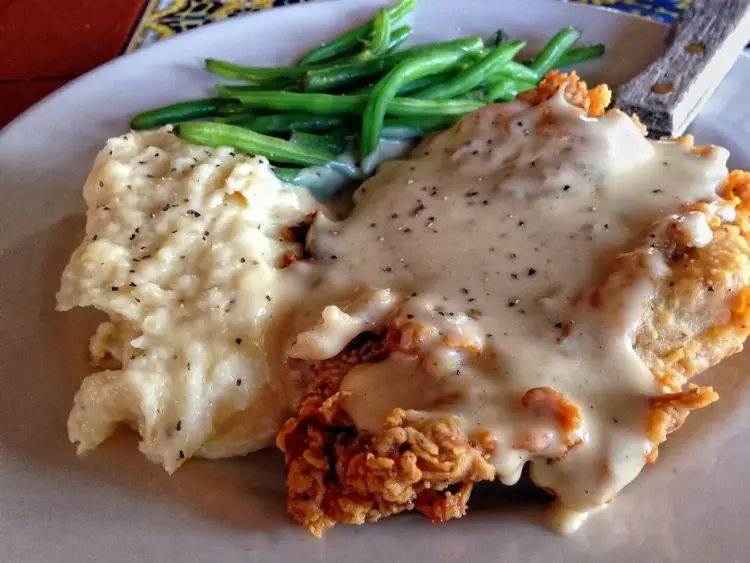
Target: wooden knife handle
[(702, 46)]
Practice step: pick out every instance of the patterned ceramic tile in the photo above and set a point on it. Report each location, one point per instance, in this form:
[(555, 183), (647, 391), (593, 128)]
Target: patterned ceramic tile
[(662, 10), (163, 18)]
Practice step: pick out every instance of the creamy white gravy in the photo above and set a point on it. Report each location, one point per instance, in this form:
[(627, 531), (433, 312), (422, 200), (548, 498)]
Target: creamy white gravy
[(487, 236)]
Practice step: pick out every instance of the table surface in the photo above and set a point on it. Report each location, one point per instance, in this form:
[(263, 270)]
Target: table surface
[(38, 55)]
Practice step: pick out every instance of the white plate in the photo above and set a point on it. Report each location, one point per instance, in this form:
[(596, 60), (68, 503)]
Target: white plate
[(692, 506)]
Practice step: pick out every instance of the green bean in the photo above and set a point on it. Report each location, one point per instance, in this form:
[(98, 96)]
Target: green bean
[(433, 61), (279, 77), (229, 108), (506, 90), (549, 56), (286, 174), (401, 9), (235, 118), (242, 117), (381, 36), (411, 107), (336, 76), (361, 91), (477, 94), (332, 143), (326, 76), (221, 134), (261, 75), (345, 45), (287, 122), (351, 40), (330, 104), (398, 36), (414, 86), (181, 111), (515, 71), (474, 75), (425, 82), (582, 54), (320, 104), (410, 128)]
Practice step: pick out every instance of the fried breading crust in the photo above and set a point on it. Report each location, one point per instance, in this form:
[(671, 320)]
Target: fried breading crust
[(337, 474), (699, 316)]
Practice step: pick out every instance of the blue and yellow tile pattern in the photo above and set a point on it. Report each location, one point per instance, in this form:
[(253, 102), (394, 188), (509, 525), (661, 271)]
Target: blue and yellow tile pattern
[(662, 10), (164, 18)]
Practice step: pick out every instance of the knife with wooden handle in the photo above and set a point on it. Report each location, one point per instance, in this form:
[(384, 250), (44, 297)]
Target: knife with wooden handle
[(701, 48)]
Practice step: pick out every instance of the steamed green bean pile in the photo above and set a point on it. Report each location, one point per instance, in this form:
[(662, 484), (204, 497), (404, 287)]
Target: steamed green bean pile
[(343, 106)]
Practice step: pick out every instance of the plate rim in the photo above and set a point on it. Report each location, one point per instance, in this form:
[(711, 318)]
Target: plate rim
[(273, 12), (19, 125)]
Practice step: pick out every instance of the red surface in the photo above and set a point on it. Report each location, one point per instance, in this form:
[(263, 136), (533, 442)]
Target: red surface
[(15, 97), (44, 43)]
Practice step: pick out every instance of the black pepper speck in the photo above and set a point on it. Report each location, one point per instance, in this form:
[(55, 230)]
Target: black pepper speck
[(418, 208)]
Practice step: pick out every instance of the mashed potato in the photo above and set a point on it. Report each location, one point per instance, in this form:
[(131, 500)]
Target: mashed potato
[(182, 250)]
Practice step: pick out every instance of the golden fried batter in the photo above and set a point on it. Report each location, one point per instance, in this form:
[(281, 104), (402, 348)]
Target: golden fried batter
[(700, 315)]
